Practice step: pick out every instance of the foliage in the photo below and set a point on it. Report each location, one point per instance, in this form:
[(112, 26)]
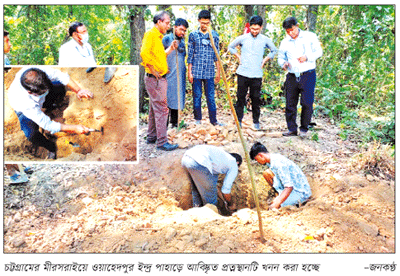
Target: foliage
[(355, 75), (37, 32)]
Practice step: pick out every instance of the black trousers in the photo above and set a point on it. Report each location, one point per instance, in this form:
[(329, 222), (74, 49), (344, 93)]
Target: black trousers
[(244, 84), (173, 117), (304, 86)]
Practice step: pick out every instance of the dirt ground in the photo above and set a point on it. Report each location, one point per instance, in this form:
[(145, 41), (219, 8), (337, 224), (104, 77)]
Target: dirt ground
[(146, 207), (114, 107)]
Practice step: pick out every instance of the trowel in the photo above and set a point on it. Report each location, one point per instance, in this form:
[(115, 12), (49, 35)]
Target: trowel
[(75, 145)]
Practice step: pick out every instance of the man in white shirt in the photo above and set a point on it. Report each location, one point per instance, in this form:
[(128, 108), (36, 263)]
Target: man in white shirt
[(77, 52), (204, 164), (37, 88), (297, 54)]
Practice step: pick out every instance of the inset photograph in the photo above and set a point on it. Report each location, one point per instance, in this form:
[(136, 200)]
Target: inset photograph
[(70, 113)]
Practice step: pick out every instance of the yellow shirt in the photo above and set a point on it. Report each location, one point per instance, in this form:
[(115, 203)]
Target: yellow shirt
[(153, 53)]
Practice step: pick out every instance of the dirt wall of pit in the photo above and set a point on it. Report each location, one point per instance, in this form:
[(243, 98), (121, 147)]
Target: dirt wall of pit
[(113, 107)]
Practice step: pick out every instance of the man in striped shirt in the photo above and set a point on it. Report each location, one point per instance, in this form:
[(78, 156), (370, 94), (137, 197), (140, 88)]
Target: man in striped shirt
[(201, 70)]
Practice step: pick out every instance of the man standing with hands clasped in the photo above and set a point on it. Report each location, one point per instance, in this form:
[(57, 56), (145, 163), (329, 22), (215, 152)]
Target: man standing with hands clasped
[(180, 28), (298, 53), (201, 70), (251, 61), (154, 58)]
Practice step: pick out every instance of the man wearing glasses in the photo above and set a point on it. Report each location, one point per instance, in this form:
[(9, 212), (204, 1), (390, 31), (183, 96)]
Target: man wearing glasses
[(251, 63), (77, 52), (34, 89), (297, 54), (154, 60), (201, 70)]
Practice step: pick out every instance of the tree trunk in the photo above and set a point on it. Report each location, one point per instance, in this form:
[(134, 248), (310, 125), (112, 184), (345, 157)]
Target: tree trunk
[(137, 29), (248, 12), (261, 11), (71, 11), (312, 12)]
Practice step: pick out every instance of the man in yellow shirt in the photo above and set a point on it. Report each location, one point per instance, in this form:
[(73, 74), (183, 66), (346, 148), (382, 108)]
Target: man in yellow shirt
[(154, 60)]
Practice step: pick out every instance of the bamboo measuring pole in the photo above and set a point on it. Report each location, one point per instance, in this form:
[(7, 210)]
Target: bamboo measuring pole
[(246, 153), (179, 83)]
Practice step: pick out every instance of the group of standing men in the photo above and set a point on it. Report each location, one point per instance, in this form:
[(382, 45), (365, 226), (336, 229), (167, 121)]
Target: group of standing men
[(297, 55)]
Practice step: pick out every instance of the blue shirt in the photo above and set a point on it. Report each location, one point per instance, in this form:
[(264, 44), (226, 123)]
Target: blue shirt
[(217, 161), (6, 60), (252, 53), (288, 174), (201, 54), (290, 50)]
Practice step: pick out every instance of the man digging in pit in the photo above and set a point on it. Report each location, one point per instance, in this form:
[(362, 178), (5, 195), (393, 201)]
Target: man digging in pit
[(204, 164), (283, 175), (34, 89)]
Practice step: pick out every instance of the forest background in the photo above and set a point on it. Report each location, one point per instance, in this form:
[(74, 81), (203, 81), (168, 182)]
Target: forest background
[(355, 76)]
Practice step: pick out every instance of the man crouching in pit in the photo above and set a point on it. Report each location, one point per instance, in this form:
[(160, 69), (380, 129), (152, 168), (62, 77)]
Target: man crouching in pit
[(284, 175), (204, 164)]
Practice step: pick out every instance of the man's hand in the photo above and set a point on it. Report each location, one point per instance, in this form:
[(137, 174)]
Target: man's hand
[(80, 129), (286, 65), (153, 71), (275, 204), (227, 197), (265, 60), (84, 93), (269, 176), (217, 77), (173, 46), (190, 77), (302, 59), (239, 58)]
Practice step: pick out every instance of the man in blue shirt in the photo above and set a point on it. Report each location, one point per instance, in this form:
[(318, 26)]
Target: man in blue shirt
[(284, 175), (298, 53), (251, 61), (205, 163), (180, 28), (201, 70)]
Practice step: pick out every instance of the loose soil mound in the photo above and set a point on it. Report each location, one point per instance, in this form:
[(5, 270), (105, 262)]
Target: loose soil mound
[(114, 107)]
